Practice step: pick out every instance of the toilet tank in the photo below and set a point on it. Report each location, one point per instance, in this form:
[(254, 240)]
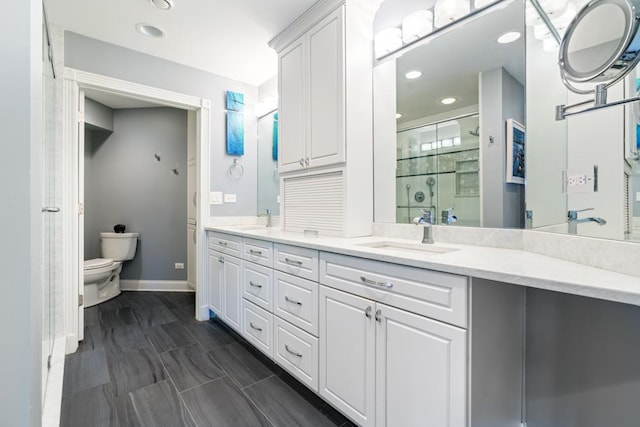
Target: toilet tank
[(119, 246)]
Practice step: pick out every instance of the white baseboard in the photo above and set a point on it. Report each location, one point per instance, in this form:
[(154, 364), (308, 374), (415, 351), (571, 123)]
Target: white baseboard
[(155, 285), (53, 394)]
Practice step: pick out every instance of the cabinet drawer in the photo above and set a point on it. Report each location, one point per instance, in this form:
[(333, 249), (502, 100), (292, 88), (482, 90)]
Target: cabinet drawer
[(296, 300), (225, 243), (258, 251), (257, 285), (297, 352), (434, 294), (298, 261), (258, 327)]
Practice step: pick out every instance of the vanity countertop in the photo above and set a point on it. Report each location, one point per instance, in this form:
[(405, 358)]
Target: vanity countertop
[(505, 265)]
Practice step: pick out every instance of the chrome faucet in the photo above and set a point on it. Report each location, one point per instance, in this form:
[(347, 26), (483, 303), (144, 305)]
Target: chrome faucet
[(572, 219), (267, 213), (426, 220), (447, 218)]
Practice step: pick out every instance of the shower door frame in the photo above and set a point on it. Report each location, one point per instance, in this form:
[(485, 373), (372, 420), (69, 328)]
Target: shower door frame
[(76, 81)]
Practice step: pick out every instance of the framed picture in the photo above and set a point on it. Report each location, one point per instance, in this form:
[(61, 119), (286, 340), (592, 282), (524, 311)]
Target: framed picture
[(515, 152)]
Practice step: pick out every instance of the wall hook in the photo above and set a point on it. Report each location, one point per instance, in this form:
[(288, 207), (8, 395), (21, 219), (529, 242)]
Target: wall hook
[(157, 157)]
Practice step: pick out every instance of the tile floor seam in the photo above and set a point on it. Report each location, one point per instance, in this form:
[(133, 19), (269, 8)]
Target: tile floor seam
[(255, 405), (184, 403), (259, 381)]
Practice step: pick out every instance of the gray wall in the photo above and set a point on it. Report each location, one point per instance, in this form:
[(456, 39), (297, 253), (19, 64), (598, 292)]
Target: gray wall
[(583, 362), (21, 194), (501, 98), (97, 115), (102, 58), (125, 184)]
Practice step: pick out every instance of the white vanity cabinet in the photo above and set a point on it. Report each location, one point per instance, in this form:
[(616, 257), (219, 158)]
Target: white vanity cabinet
[(311, 120), (225, 291), (387, 366)]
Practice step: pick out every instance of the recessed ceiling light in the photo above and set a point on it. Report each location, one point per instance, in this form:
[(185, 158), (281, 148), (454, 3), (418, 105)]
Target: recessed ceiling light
[(162, 4), (413, 74), (509, 37), (398, 115), (447, 101), (149, 30)]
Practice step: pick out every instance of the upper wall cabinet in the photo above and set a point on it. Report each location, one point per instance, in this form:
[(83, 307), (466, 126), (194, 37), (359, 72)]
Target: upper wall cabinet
[(312, 97), (325, 80)]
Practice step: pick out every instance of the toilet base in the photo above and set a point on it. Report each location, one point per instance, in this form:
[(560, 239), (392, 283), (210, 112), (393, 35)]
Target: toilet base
[(95, 293)]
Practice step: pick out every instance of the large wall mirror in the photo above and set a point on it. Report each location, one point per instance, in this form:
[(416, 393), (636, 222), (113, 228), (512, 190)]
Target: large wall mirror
[(268, 179), (441, 114)]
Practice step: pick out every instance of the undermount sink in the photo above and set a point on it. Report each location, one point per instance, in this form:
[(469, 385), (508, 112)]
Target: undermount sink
[(407, 246), (249, 227)]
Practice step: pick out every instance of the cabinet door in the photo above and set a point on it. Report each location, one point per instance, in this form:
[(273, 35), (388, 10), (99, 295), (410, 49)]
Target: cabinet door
[(326, 136), (232, 293), (216, 277), (421, 371), (291, 117), (347, 354)]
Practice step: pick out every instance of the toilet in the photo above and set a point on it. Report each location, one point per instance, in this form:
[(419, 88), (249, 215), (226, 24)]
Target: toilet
[(102, 275)]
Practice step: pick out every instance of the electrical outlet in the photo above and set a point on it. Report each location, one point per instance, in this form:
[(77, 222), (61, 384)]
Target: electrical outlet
[(638, 196), (179, 265), (278, 199), (230, 198), (579, 183)]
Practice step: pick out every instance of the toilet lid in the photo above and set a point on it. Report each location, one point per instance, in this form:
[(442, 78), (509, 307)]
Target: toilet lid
[(90, 264)]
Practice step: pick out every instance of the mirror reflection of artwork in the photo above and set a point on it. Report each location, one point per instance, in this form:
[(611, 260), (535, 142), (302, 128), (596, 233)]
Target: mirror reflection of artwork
[(515, 152), (274, 146)]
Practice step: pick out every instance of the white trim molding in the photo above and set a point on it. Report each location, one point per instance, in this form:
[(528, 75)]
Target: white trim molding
[(155, 285), (74, 81)]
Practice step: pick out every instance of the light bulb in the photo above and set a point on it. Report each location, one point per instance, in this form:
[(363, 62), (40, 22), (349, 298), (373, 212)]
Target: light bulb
[(417, 25), (387, 41), (447, 11), (553, 9)]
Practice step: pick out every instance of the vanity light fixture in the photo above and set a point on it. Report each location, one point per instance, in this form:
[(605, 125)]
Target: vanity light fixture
[(509, 37), (448, 11), (413, 74), (553, 9), (387, 41), (162, 4), (149, 30), (417, 25), (448, 101), (398, 115)]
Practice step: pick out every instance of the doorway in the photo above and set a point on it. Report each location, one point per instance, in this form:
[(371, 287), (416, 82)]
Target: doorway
[(77, 85)]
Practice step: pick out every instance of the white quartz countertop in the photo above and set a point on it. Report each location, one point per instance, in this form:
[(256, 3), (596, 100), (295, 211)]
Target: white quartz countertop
[(505, 265)]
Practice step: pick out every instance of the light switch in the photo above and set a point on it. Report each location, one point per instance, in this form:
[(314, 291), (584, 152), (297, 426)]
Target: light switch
[(278, 199), (638, 196), (229, 198), (215, 198)]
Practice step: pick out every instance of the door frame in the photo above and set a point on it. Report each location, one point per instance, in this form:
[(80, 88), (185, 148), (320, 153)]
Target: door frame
[(72, 270)]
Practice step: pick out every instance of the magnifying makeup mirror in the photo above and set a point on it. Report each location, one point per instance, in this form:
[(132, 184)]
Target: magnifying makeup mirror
[(601, 45)]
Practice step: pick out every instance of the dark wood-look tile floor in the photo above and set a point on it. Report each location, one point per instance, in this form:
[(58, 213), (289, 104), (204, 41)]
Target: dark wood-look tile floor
[(146, 361)]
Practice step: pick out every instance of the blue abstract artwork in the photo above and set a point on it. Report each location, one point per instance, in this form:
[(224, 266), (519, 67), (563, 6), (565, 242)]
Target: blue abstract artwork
[(274, 147), (235, 133), (235, 101)]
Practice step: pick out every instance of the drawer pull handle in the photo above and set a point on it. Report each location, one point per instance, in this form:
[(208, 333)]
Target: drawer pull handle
[(255, 285), (254, 252), (292, 261), (221, 243), (378, 316), (367, 312), (366, 281), (292, 301), (295, 353), (255, 327)]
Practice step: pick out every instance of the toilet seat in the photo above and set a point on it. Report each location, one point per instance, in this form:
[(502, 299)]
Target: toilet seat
[(92, 264)]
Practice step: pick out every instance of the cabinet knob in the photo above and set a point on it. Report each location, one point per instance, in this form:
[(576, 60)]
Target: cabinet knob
[(302, 162), (195, 198), (306, 162), (378, 315), (221, 260)]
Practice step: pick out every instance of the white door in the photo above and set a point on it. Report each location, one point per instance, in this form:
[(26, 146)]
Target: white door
[(191, 254), (420, 371), (216, 272), (292, 113), (326, 92), (232, 293), (347, 354)]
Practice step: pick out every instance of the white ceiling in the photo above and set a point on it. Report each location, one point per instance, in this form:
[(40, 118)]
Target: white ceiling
[(224, 37)]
